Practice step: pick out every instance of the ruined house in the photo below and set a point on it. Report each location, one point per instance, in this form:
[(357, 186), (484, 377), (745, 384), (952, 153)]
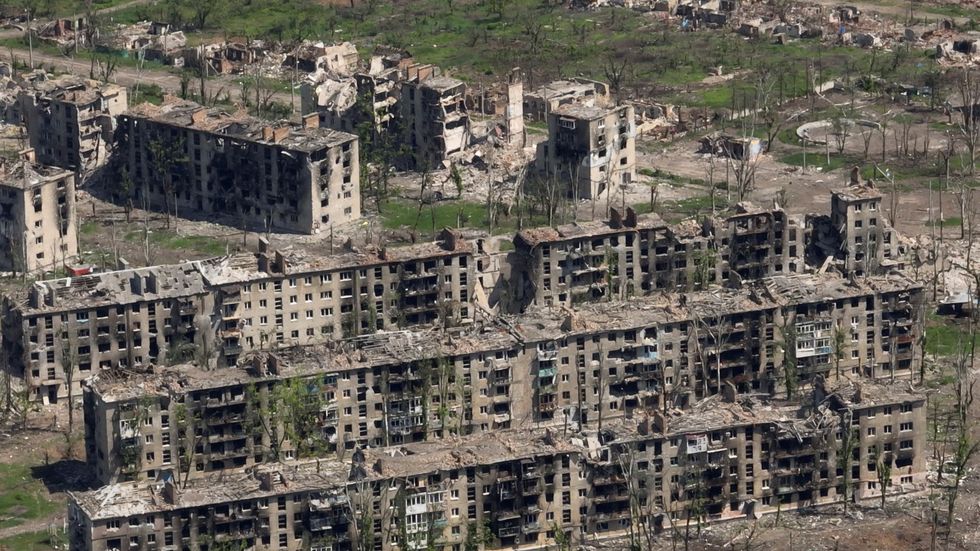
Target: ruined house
[(591, 148), (71, 120), (152, 40), (225, 57), (195, 161), (38, 224), (339, 59), (434, 117)]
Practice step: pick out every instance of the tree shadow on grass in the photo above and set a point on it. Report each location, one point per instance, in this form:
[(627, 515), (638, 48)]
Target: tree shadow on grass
[(65, 475)]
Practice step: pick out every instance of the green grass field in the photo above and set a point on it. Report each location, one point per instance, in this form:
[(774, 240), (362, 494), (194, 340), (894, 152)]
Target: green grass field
[(944, 337), (21, 496), (169, 240), (484, 39), (35, 541)]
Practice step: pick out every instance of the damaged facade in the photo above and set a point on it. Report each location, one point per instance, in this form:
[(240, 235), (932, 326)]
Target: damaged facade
[(739, 457), (70, 120), (646, 355), (539, 103), (435, 120), (73, 327), (639, 254), (215, 310), (194, 160), (38, 224), (283, 299), (593, 148), (636, 255)]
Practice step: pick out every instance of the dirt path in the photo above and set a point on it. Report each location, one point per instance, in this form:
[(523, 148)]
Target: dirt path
[(895, 10)]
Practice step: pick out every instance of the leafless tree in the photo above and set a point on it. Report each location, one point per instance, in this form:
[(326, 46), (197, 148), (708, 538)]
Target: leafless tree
[(618, 72), (968, 87), (841, 125), (69, 366), (641, 506)]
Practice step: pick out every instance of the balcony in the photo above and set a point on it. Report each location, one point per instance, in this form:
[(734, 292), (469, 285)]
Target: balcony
[(232, 349), (547, 407), (547, 355), (531, 528), (221, 437)]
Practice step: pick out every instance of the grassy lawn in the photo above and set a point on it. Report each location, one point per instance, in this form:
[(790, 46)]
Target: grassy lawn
[(674, 211), (944, 337), (21, 496), (948, 222), (35, 541), (88, 228), (211, 246), (816, 160), (404, 214)]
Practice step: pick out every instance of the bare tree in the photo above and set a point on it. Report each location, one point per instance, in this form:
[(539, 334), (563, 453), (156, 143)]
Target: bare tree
[(69, 367), (968, 87), (883, 470)]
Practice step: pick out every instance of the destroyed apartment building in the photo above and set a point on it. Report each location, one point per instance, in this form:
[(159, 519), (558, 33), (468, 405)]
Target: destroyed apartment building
[(341, 98), (539, 103), (651, 354), (215, 310), (38, 224), (388, 374), (202, 162), (638, 254), (736, 457), (593, 148), (70, 120), (63, 330), (279, 298), (433, 113), (348, 103)]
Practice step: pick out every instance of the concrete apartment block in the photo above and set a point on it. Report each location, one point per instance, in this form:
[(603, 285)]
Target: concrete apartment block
[(71, 120), (221, 308), (272, 299), (592, 148), (434, 117), (72, 328), (544, 367), (737, 456), (632, 255), (38, 224), (207, 163)]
